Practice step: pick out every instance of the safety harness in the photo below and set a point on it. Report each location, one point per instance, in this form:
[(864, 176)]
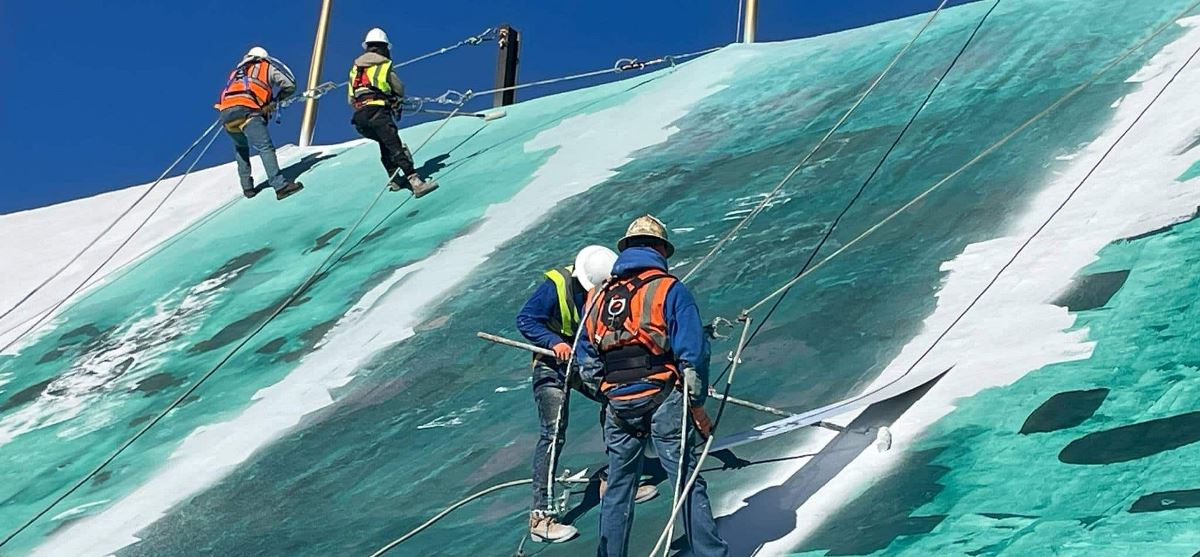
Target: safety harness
[(249, 86), (369, 85), (629, 330)]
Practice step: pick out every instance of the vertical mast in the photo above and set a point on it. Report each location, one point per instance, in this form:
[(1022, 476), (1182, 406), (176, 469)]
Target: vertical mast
[(308, 123)]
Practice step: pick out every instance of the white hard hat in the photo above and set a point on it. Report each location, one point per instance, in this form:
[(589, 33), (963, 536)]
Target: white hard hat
[(257, 52), (376, 35), (593, 265)]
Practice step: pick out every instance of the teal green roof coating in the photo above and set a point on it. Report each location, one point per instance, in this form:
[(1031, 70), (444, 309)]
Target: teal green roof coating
[(1065, 424)]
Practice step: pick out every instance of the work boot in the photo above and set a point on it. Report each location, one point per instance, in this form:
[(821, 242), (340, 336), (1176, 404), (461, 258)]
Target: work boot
[(420, 187), (544, 528), (250, 193), (644, 492), (288, 189)]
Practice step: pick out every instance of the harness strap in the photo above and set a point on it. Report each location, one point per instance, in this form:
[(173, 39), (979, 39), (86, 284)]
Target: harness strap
[(643, 415)]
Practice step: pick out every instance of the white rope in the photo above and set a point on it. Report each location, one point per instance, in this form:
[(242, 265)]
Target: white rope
[(391, 545), (110, 226), (312, 277), (571, 367), (677, 485), (982, 155), (320, 90), (124, 242), (845, 116), (618, 68), (746, 319)]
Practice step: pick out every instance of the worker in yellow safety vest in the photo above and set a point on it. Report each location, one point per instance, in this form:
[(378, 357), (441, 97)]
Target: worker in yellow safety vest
[(550, 320), (375, 93)]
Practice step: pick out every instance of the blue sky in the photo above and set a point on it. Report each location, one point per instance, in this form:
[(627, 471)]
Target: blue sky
[(104, 95)]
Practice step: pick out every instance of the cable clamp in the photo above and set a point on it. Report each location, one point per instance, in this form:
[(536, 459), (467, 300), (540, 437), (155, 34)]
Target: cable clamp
[(713, 328), (628, 64)]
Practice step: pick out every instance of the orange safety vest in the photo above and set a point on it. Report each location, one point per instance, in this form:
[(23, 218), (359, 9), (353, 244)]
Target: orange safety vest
[(249, 86), (628, 327)]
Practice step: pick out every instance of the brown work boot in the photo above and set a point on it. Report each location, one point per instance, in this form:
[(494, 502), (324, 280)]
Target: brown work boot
[(420, 187), (645, 492), (287, 190), (544, 528)]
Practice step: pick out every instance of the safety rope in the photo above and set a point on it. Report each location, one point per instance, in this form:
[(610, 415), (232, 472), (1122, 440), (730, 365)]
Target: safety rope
[(140, 261), (812, 152), (95, 271), (317, 92), (447, 511), (317, 271), (454, 97), (737, 353), (558, 416), (736, 356), (112, 224), (982, 155), (828, 233), (320, 90), (746, 320)]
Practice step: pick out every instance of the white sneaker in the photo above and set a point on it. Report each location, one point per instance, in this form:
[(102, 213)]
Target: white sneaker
[(545, 529)]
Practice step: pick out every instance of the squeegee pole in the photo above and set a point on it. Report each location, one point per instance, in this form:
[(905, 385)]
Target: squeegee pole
[(731, 400), (515, 344)]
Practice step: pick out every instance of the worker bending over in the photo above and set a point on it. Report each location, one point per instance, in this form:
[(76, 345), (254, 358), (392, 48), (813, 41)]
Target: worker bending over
[(246, 105)]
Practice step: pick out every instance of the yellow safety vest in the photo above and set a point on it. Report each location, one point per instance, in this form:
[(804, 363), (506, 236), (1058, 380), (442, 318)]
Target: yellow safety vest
[(371, 86), (567, 319)]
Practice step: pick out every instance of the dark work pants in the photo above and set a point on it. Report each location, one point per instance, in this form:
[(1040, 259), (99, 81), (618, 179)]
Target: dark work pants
[(375, 123)]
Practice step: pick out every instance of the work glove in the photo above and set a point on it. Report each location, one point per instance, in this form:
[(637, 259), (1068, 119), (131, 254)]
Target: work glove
[(701, 421), (695, 390)]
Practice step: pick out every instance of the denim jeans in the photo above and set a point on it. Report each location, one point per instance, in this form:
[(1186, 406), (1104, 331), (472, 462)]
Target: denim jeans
[(625, 454), (549, 393), (253, 134)]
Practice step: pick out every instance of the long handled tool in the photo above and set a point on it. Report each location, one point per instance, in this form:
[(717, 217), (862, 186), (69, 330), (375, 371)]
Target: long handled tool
[(731, 400)]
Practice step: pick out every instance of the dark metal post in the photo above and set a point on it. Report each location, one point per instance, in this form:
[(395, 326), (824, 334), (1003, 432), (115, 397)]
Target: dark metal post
[(508, 57)]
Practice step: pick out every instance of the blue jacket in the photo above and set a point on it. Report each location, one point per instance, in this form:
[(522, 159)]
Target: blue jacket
[(538, 311), (684, 326)]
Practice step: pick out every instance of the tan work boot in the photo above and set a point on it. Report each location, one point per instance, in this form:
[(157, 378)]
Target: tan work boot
[(644, 492), (420, 187), (545, 529)]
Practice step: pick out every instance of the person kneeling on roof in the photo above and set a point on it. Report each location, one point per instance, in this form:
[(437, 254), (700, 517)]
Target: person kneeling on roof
[(246, 105), (375, 93), (550, 319), (646, 328)]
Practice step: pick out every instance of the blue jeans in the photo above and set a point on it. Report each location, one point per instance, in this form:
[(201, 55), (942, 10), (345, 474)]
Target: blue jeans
[(253, 133), (625, 453), (550, 394)]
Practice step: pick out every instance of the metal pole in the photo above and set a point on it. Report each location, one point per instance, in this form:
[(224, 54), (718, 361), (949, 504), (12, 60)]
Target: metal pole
[(515, 344), (711, 392), (751, 21), (508, 56), (309, 122)]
